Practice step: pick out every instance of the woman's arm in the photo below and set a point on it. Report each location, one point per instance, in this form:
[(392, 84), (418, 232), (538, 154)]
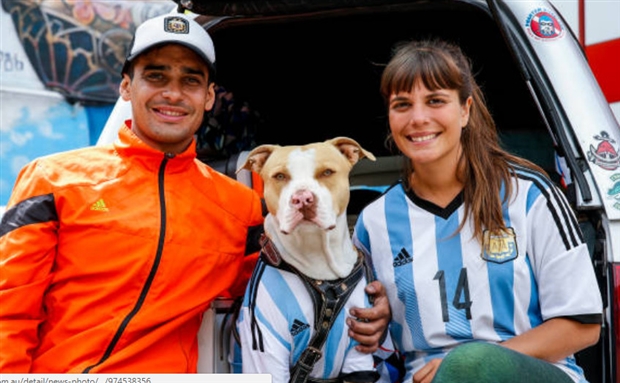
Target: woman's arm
[(555, 339)]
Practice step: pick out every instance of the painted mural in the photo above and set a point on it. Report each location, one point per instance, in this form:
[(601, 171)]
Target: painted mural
[(60, 64), (77, 47)]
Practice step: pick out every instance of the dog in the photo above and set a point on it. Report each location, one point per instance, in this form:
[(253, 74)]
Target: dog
[(292, 321)]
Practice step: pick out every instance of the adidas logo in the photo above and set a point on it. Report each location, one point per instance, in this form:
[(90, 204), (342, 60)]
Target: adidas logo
[(298, 326), (402, 258), (99, 206)]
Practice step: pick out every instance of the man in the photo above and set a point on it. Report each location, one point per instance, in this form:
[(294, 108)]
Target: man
[(109, 255)]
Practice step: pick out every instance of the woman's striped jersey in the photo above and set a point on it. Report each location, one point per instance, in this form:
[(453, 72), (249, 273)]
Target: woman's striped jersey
[(446, 288)]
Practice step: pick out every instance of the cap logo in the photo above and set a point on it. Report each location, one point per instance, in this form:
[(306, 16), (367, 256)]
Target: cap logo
[(175, 24)]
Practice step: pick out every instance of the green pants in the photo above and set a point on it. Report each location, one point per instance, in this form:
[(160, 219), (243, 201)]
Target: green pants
[(490, 363)]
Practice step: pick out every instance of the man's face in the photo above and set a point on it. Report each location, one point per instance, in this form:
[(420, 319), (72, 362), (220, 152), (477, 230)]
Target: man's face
[(169, 93)]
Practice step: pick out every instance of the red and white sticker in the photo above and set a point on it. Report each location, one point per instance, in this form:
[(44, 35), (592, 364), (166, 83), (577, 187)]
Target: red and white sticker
[(542, 24)]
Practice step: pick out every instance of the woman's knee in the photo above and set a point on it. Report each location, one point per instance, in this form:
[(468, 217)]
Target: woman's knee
[(469, 362), (477, 352), (492, 363)]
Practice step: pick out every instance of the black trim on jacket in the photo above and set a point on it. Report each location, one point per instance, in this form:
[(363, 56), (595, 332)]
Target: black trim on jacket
[(33, 210)]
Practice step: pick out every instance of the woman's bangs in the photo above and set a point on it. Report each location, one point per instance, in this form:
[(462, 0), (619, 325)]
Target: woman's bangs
[(432, 71), (404, 79), (436, 74)]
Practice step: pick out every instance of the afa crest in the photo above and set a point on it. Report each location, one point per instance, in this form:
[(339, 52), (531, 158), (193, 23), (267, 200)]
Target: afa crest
[(499, 247)]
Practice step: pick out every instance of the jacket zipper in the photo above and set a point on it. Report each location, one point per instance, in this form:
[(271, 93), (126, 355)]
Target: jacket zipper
[(149, 280)]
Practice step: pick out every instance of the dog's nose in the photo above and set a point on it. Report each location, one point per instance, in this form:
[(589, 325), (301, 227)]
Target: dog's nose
[(302, 198)]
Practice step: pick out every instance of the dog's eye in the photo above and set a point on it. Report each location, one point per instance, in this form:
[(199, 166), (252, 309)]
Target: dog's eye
[(280, 176), (327, 172)]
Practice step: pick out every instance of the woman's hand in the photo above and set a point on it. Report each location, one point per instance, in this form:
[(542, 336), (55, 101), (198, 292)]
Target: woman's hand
[(427, 373), (372, 322)]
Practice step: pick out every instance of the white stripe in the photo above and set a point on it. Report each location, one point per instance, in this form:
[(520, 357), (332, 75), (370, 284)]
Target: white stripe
[(425, 266)]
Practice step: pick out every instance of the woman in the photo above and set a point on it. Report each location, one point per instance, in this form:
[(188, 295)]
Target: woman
[(476, 247)]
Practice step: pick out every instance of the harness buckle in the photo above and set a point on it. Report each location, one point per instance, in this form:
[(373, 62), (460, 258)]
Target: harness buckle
[(310, 356)]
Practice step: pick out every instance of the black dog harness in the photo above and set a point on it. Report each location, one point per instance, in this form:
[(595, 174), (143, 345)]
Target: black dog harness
[(328, 298)]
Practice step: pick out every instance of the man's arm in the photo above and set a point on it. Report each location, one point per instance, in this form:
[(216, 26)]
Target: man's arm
[(28, 243)]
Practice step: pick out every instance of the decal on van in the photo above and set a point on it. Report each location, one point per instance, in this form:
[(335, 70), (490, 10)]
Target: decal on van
[(614, 192), (542, 24), (604, 154)]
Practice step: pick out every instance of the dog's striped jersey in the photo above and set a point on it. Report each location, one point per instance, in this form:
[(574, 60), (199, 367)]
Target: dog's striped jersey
[(284, 313), (446, 288)]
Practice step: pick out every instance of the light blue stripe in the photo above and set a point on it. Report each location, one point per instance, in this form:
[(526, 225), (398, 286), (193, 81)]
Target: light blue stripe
[(501, 277), (283, 297), (450, 261), (379, 189), (502, 298), (261, 318), (236, 365), (396, 332), (533, 194), (332, 343), (533, 310), (252, 284), (399, 233), (571, 363), (361, 233)]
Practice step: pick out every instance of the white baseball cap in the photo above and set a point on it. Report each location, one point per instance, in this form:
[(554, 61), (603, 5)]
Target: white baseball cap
[(172, 28)]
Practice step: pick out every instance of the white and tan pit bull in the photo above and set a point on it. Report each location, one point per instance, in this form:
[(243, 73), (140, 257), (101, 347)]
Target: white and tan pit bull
[(309, 275)]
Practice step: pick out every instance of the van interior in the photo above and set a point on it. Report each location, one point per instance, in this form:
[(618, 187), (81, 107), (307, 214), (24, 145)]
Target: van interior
[(316, 76)]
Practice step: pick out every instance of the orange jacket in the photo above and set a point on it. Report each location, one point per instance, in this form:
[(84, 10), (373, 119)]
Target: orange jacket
[(110, 255)]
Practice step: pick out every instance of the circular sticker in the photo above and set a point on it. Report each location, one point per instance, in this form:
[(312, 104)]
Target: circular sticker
[(544, 25)]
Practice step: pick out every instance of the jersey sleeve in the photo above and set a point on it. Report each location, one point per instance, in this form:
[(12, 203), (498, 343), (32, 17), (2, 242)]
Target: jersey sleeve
[(273, 357), (560, 259), (360, 236), (28, 239)]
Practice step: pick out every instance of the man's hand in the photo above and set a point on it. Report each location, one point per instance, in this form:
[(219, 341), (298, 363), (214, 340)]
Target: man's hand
[(372, 322)]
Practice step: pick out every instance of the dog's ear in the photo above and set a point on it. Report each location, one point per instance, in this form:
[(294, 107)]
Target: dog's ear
[(257, 158), (351, 149)]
